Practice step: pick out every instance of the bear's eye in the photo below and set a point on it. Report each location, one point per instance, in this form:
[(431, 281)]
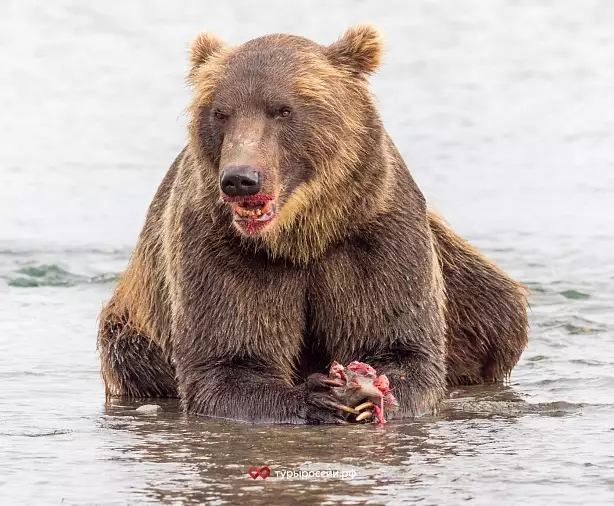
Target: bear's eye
[(284, 112), (219, 115)]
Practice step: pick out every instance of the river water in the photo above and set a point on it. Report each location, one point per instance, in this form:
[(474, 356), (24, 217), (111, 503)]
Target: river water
[(503, 109)]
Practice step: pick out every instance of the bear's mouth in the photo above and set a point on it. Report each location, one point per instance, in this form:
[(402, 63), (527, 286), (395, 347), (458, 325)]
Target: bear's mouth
[(252, 213)]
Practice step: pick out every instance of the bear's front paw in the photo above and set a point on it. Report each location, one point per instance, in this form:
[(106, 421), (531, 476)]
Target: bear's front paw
[(322, 400)]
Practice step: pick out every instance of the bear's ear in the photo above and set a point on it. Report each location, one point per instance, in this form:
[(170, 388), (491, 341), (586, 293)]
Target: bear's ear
[(203, 47), (359, 50)]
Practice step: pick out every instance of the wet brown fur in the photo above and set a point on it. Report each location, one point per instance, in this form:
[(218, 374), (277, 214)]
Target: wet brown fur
[(353, 268)]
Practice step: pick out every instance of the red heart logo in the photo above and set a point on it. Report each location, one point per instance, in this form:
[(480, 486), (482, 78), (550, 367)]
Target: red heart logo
[(253, 472), (265, 472)]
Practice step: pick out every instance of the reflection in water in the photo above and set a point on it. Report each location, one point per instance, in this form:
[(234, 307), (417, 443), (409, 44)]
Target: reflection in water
[(213, 456), (205, 460)]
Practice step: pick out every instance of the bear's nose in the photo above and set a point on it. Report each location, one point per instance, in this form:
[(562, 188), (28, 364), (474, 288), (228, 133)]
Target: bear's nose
[(240, 180)]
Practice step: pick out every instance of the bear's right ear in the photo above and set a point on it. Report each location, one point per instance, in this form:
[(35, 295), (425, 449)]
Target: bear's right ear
[(359, 50), (203, 47)]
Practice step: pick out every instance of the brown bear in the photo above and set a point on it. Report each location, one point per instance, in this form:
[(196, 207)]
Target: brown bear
[(288, 234)]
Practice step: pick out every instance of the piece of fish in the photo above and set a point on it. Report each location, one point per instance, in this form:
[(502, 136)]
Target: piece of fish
[(364, 389)]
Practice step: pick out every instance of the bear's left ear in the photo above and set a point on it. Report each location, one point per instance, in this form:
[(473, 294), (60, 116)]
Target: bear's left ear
[(203, 47), (358, 50)]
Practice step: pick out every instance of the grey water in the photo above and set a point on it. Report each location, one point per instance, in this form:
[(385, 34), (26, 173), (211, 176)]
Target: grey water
[(504, 110)]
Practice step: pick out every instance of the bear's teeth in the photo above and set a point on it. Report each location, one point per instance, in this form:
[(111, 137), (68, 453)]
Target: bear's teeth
[(242, 211), (261, 212)]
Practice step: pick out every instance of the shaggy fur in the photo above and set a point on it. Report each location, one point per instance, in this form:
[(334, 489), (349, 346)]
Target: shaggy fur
[(353, 267)]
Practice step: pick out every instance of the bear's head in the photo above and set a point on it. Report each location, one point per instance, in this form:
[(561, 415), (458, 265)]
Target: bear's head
[(288, 132)]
